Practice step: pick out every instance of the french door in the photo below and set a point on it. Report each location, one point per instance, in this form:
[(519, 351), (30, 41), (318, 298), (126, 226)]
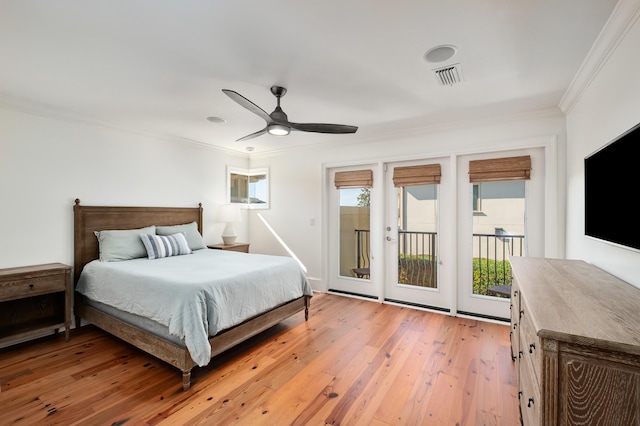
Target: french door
[(434, 240), (417, 239), (499, 217), (385, 236), (353, 236)]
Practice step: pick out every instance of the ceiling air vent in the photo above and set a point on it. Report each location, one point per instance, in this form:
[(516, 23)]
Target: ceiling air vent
[(449, 75)]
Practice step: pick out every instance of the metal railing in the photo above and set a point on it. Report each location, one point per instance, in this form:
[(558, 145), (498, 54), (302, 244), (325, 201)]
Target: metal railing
[(363, 254), (417, 258), (490, 260)]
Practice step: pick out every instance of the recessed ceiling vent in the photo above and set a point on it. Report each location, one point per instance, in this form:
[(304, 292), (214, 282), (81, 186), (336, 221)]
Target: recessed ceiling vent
[(449, 75)]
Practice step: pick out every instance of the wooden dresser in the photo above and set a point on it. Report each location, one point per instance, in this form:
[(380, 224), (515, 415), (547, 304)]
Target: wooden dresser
[(576, 340), (34, 299)]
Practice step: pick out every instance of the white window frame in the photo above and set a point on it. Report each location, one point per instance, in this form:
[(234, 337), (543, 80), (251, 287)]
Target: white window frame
[(477, 198), (249, 173)]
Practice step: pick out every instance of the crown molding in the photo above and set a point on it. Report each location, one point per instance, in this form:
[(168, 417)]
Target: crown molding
[(623, 17)]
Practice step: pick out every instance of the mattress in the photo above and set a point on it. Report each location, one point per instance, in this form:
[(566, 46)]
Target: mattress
[(137, 321)]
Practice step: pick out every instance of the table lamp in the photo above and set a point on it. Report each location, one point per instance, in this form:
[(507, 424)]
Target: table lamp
[(229, 214)]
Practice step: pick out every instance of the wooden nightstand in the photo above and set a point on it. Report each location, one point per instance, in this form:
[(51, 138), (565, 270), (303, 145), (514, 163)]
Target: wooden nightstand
[(34, 299), (242, 247)]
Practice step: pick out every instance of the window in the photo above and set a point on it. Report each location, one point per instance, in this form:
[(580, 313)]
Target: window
[(477, 200), (249, 188)]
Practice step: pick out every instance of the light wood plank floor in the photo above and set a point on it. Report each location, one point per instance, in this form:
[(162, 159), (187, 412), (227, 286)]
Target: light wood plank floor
[(354, 362)]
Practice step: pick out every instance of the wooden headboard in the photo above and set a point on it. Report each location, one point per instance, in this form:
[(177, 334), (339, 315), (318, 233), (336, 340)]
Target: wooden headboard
[(87, 219)]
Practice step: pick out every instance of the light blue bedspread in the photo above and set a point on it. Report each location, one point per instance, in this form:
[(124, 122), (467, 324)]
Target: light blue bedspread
[(196, 295)]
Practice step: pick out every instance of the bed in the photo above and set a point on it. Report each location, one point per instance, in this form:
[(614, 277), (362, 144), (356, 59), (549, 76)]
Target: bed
[(149, 333)]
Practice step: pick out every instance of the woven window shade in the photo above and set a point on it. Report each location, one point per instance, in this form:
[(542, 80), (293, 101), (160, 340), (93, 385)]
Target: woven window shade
[(416, 175), (499, 169), (354, 179)]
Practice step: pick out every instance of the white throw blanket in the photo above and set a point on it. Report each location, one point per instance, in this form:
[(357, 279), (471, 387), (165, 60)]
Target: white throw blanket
[(196, 295)]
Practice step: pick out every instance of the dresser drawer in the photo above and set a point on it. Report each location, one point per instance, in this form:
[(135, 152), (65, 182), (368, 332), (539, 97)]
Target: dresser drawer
[(530, 345), (31, 286), (530, 401), (514, 333)]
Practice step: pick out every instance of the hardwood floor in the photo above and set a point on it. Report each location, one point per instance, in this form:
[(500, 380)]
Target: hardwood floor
[(353, 362)]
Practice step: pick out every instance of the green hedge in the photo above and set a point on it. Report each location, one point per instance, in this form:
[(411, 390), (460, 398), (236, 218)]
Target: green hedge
[(488, 273), (417, 270)]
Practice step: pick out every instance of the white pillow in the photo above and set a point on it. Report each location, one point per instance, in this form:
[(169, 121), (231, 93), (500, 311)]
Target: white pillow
[(159, 246), (122, 244)]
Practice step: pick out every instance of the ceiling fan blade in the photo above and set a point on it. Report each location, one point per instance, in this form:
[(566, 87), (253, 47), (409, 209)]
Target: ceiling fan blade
[(323, 127), (247, 104), (253, 135), (277, 122)]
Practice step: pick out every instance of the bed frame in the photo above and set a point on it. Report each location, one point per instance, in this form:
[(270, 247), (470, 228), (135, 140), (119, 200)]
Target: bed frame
[(88, 219)]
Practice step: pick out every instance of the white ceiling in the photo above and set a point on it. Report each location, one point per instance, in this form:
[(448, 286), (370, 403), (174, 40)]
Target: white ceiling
[(158, 67)]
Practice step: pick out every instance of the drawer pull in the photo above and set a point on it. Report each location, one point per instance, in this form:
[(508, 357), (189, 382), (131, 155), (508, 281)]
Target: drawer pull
[(515, 293), (530, 402), (519, 394), (532, 347), (521, 313), (519, 354), (514, 326), (30, 285)]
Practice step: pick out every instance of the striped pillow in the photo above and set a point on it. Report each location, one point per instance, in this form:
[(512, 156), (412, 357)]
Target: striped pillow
[(165, 245)]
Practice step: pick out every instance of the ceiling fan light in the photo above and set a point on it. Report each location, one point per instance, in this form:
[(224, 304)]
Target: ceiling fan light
[(278, 129)]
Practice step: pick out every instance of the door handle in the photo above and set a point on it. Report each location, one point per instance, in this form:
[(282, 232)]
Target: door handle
[(390, 239)]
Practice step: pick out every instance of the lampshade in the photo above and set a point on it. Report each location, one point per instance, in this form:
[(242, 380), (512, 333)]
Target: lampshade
[(229, 213), (278, 129)]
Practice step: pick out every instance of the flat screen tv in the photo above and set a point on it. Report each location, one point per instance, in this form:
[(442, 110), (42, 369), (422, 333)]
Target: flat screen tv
[(612, 191)]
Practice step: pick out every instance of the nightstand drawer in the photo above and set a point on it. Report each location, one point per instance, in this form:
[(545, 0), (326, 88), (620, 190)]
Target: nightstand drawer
[(28, 287)]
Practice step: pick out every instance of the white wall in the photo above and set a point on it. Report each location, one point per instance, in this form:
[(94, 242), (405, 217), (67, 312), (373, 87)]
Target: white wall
[(608, 107), (45, 163), (297, 179)]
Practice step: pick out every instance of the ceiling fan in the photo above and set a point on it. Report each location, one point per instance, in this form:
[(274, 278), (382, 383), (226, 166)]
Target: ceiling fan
[(277, 122)]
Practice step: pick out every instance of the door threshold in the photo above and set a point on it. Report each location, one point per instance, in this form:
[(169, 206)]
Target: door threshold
[(418, 305), (484, 317), (349, 293)]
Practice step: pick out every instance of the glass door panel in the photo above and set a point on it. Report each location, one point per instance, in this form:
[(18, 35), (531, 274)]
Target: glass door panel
[(498, 232), (417, 236), (355, 219)]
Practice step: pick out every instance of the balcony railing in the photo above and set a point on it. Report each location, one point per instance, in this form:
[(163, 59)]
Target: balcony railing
[(417, 258), (363, 247), (491, 268)]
